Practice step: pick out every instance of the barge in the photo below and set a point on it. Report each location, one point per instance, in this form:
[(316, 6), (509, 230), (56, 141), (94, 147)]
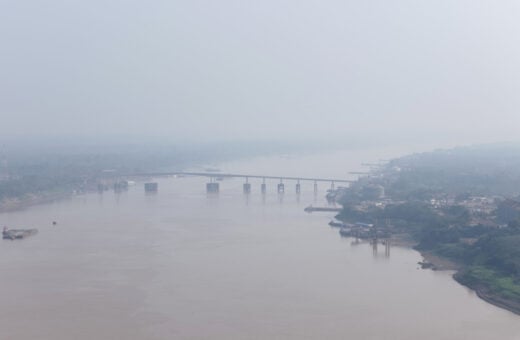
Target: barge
[(13, 234)]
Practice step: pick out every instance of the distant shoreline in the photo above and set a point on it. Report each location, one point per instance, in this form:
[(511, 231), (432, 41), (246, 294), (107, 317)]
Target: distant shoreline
[(18, 204), (431, 212)]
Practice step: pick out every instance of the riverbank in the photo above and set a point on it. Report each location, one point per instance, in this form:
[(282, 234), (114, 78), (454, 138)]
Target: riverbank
[(484, 292), (16, 204), (491, 286), (459, 213), (438, 262), (441, 263)]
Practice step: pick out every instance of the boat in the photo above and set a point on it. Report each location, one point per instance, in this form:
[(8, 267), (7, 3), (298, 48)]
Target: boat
[(345, 232), (13, 234), (310, 209), (334, 223)]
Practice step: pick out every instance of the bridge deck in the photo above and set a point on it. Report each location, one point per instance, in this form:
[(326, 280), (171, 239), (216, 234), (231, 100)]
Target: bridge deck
[(227, 175)]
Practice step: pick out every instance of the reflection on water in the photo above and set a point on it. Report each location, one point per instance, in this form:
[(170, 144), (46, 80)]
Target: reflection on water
[(186, 264), (375, 245)]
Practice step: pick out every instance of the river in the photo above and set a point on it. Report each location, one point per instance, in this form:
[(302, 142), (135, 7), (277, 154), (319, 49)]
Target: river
[(183, 265)]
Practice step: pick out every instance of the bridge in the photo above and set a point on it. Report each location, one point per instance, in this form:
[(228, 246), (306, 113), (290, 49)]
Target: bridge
[(213, 186)]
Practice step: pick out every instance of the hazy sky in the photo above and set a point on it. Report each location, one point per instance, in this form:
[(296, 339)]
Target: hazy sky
[(261, 69)]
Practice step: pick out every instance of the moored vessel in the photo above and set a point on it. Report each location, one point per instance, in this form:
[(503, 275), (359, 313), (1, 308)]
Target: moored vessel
[(12, 234)]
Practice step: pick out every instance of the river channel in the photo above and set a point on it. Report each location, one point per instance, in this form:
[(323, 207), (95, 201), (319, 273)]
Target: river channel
[(184, 265)]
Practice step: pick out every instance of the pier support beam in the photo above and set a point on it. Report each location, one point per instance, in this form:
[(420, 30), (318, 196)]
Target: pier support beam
[(151, 187), (281, 187), (212, 188), (298, 187), (374, 246), (247, 188), (387, 248)]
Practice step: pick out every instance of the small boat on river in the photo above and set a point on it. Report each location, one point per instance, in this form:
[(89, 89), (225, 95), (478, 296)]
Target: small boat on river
[(337, 224), (346, 232), (13, 234), (311, 209)]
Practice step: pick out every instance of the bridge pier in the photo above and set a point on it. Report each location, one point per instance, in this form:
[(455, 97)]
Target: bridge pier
[(298, 187), (374, 247), (151, 187), (332, 185), (281, 187), (263, 187), (247, 186), (212, 188), (387, 248), (315, 188)]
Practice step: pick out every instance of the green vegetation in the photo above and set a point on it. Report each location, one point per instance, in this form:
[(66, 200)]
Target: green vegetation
[(429, 196), (491, 281)]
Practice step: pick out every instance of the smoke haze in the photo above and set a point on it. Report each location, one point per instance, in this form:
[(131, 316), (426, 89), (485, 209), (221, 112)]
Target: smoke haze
[(225, 70)]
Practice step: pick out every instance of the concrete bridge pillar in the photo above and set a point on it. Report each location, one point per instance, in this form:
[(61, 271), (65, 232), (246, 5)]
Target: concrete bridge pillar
[(298, 187), (212, 187), (151, 187), (281, 187), (387, 248), (247, 186), (315, 187)]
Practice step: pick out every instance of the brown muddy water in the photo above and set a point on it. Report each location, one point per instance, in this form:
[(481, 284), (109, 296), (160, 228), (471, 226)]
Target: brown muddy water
[(183, 265)]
